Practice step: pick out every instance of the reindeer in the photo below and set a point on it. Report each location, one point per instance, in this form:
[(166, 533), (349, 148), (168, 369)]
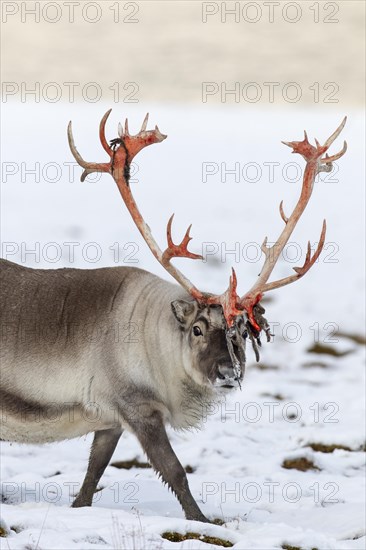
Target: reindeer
[(190, 349)]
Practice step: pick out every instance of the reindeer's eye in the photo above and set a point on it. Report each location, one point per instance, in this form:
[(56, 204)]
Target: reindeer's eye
[(197, 331), (245, 334)]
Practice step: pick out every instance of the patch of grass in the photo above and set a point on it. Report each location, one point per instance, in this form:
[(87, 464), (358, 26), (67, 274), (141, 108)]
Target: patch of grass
[(290, 547), (218, 521), (357, 338), (128, 464), (323, 448), (277, 396), (302, 464), (3, 532), (265, 366), (315, 364), (321, 349), (135, 463), (356, 537), (173, 536), (57, 473)]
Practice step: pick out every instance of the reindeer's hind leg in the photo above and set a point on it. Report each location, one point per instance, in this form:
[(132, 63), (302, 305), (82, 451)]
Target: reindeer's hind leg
[(102, 450)]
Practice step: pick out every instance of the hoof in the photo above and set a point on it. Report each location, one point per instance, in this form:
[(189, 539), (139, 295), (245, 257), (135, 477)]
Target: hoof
[(80, 503)]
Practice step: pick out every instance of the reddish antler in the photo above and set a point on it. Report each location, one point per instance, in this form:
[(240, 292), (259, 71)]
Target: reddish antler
[(121, 152), (314, 164), (120, 159)]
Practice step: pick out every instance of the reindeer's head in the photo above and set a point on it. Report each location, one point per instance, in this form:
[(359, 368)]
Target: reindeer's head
[(208, 358), (216, 355), (215, 325)]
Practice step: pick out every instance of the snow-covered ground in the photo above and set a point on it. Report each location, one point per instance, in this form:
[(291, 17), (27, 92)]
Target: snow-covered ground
[(296, 398)]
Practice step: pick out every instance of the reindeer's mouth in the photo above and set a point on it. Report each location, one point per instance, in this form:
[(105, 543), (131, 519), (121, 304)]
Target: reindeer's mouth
[(229, 386), (233, 385)]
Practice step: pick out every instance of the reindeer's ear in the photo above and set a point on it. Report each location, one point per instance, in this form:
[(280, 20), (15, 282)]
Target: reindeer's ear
[(182, 310)]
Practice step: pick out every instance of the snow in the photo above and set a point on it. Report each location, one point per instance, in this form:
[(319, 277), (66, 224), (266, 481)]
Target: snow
[(237, 457)]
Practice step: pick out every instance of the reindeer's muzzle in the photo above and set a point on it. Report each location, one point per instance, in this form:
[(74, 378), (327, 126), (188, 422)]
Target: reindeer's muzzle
[(227, 377)]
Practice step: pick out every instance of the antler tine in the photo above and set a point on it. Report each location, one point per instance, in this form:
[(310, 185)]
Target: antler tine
[(102, 137), (283, 216), (180, 250), (264, 247), (89, 167), (288, 143), (310, 260), (127, 132), (169, 231), (335, 134), (79, 159), (301, 271), (144, 124), (337, 156)]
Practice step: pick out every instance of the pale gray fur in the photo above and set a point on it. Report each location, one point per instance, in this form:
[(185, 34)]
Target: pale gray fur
[(105, 350)]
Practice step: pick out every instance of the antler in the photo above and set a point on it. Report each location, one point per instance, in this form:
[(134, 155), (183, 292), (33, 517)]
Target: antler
[(314, 164), (121, 152), (124, 148)]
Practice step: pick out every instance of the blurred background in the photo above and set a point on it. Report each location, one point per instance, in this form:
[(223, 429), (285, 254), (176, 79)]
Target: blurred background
[(169, 48)]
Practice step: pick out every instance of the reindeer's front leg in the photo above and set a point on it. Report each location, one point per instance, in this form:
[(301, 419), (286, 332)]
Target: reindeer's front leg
[(154, 440)]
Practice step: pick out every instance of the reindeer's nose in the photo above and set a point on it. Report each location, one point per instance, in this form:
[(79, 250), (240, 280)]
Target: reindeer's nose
[(226, 373)]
